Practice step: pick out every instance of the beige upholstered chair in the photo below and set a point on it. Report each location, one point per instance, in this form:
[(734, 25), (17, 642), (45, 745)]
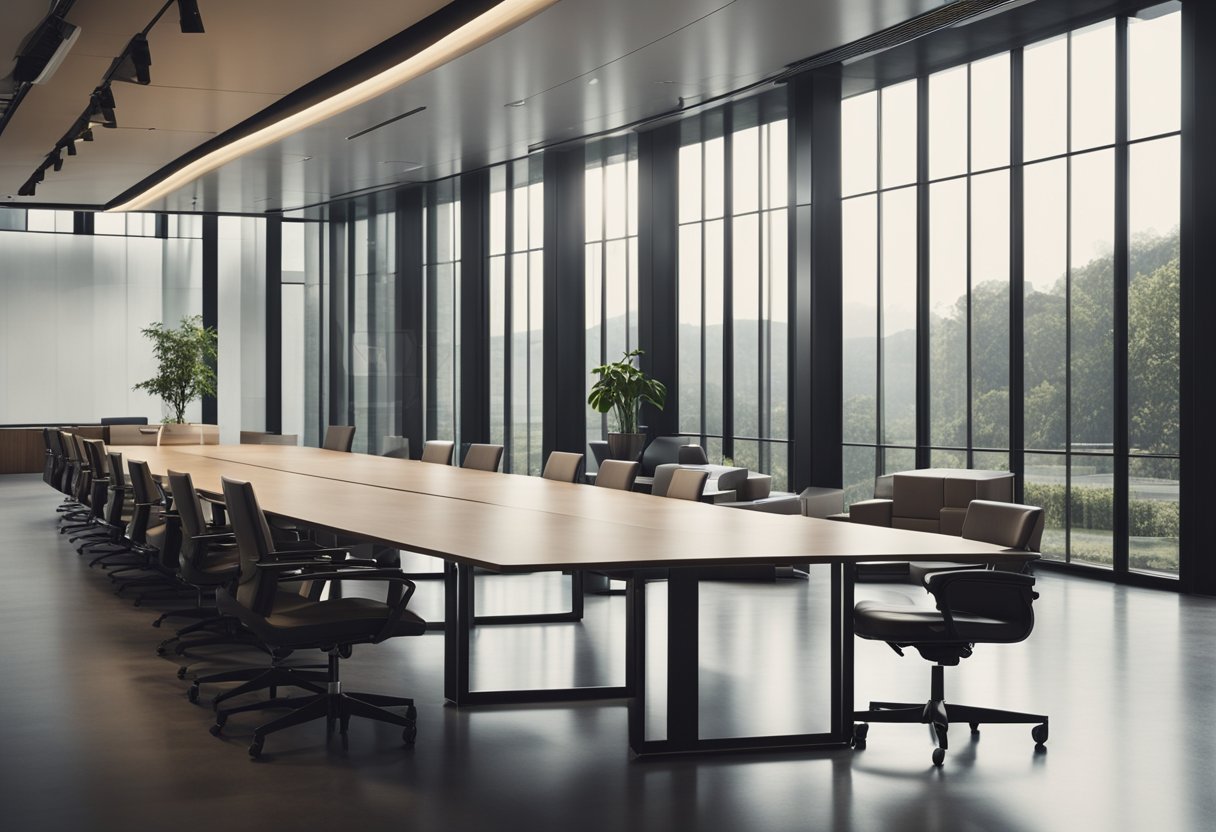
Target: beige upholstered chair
[(618, 474), (563, 466), (438, 451), (339, 438), (483, 457), (687, 484)]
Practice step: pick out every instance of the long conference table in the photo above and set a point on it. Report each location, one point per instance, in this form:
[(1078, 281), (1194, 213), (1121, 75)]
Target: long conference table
[(512, 524)]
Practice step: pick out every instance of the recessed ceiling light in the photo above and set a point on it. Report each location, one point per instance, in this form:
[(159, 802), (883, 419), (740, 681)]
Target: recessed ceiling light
[(521, 102), (593, 82)]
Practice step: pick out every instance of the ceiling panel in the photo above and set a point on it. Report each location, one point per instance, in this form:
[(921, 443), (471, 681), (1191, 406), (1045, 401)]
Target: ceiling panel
[(644, 55)]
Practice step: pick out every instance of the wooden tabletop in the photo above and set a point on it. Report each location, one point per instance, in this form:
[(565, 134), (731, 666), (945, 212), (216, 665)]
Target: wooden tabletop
[(512, 523)]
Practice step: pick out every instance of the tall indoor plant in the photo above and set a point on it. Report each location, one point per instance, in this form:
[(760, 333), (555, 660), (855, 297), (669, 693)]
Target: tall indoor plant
[(621, 388), (185, 359)]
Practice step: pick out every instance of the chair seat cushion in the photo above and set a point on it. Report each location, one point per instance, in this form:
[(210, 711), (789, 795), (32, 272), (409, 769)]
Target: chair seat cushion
[(906, 624), (296, 621)]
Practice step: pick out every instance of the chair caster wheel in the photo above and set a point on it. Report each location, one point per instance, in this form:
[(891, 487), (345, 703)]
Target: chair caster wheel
[(975, 727), (255, 748), (181, 672), (160, 649), (156, 623), (860, 731), (1039, 734), (192, 692), (411, 713), (939, 756), (216, 729), (410, 734)]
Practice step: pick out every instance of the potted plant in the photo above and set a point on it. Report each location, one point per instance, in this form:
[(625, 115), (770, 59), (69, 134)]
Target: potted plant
[(621, 388), (185, 365)]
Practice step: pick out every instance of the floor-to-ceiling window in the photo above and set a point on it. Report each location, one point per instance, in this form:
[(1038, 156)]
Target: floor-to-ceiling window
[(441, 266), (611, 248), (517, 239), (733, 280), (1050, 171)]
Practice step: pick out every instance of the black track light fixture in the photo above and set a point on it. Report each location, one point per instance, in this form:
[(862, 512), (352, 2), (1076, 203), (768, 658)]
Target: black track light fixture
[(70, 147), (101, 108), (57, 160), (191, 20), (132, 66), (28, 188)]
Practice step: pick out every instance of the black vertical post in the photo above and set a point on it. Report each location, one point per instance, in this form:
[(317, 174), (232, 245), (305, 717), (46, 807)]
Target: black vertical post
[(728, 285), (211, 296), (410, 276), (341, 218), (658, 251), (1198, 263), (474, 307), (565, 366), (826, 332), (274, 323), (800, 246), (923, 369), (1017, 281), (1119, 310)]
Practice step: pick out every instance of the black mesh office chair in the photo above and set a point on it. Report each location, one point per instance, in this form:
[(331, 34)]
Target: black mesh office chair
[(333, 626), (973, 606)]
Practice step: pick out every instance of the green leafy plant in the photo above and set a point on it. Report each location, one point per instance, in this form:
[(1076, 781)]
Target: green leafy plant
[(186, 364), (622, 387)]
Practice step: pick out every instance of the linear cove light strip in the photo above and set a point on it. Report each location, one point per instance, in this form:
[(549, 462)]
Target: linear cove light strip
[(482, 29)]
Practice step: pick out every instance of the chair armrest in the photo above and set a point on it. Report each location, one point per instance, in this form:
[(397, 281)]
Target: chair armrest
[(872, 512), (984, 592), (302, 552), (199, 538), (392, 576)]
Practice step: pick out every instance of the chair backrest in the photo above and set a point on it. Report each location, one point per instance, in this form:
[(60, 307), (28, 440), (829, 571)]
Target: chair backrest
[(1006, 524), (692, 455), (618, 474), (339, 438), (662, 478), (599, 450), (143, 488), (256, 437), (438, 451), (118, 491), (253, 538), (483, 457), (133, 435), (687, 484), (116, 472), (663, 450), (562, 466), (190, 511)]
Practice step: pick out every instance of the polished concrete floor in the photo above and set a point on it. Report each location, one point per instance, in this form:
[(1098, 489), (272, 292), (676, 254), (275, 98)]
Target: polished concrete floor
[(98, 734)]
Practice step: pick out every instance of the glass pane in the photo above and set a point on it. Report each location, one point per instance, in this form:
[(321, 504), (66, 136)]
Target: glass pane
[(713, 326), (990, 310), (1154, 74), (631, 204), (990, 461), (777, 147), (498, 220), (948, 313), (990, 112), (858, 463), (1091, 301), (745, 170), (1153, 297), (690, 329), (859, 144), (899, 317), (615, 323), (860, 320), (774, 414), (536, 360), (1093, 86), (593, 318), (899, 134), (746, 317), (895, 460), (945, 458), (1045, 98), (519, 218), (498, 352), (1154, 515), (948, 122), (715, 165), (690, 182), (614, 201), (593, 203), (1091, 510), (1045, 317), (1046, 481)]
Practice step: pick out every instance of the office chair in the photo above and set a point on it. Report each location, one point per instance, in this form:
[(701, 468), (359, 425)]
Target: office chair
[(333, 626), (686, 484), (973, 606), (339, 438), (1015, 527), (561, 466), (483, 457), (437, 451), (618, 474)]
